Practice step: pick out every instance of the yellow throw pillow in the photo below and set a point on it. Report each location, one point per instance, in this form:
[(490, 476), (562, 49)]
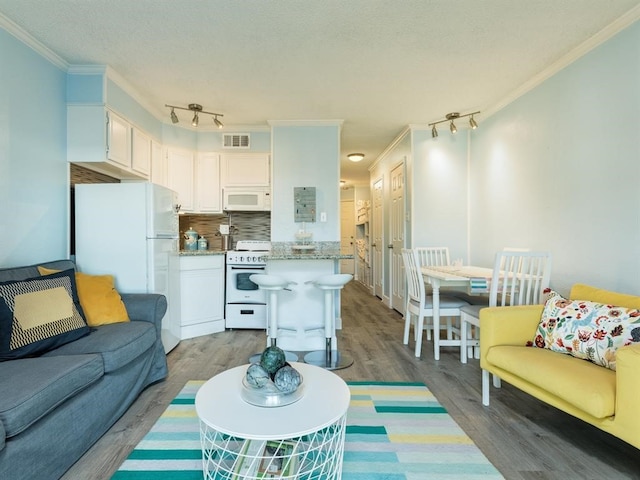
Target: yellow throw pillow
[(99, 299)]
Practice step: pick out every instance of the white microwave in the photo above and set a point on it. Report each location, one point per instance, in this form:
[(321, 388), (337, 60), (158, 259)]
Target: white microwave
[(252, 199)]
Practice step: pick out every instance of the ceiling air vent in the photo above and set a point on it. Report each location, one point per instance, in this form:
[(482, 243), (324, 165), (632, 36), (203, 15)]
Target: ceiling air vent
[(238, 140)]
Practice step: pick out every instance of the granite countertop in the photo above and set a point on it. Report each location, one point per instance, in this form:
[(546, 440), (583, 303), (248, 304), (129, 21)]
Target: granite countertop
[(321, 251), (197, 253)]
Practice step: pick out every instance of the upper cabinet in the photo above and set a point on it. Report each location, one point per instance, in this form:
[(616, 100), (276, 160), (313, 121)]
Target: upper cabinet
[(158, 165), (208, 193), (245, 170), (196, 179), (140, 152), (180, 176), (101, 140)]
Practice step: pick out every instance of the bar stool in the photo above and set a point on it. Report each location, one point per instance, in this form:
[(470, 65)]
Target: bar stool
[(272, 284), (330, 358)]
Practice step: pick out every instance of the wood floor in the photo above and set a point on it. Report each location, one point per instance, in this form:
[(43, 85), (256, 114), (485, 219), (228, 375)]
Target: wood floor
[(522, 437)]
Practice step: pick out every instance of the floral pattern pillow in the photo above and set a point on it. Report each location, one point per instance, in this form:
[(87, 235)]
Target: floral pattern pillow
[(588, 330)]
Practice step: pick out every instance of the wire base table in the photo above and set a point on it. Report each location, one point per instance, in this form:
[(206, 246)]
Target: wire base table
[(302, 440)]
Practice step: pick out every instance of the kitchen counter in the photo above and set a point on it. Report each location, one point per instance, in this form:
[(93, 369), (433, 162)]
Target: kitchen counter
[(301, 307), (194, 253), (322, 251)]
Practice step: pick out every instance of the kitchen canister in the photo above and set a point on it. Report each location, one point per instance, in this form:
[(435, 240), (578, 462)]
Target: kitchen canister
[(191, 239), (203, 243)]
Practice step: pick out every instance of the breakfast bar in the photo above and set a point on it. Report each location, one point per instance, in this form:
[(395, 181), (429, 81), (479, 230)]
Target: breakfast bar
[(301, 325)]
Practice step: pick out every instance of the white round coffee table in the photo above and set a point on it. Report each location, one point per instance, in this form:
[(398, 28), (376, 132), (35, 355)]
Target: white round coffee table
[(304, 439)]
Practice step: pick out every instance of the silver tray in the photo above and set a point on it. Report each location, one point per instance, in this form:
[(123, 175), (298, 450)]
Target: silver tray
[(269, 395)]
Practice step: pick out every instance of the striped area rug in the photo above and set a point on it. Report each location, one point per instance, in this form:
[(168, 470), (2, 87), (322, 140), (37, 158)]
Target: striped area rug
[(395, 431)]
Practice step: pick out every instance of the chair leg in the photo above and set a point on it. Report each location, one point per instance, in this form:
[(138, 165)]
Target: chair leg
[(463, 340), (496, 381), (419, 327), (407, 325), (485, 387)]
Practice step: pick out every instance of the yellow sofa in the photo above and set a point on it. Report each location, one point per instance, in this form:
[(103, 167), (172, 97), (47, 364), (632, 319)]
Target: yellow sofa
[(605, 398)]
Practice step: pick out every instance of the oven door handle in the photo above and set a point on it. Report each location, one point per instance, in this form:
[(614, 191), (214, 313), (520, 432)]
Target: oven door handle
[(237, 267)]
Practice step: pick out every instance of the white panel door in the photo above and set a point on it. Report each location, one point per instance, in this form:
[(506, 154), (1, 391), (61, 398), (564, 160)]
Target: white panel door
[(377, 243), (397, 238)]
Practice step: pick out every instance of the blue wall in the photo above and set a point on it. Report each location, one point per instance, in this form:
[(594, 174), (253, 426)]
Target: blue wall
[(559, 169), (305, 156), (34, 186)]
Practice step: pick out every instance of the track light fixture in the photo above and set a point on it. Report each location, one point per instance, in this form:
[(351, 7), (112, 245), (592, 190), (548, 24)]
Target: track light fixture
[(450, 117), (196, 109)]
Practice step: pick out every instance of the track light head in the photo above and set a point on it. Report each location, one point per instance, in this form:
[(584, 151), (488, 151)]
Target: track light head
[(174, 117), (195, 120), (434, 132), (452, 127), (472, 123), (218, 123)]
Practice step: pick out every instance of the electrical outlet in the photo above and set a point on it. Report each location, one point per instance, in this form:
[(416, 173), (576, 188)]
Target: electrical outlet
[(323, 216)]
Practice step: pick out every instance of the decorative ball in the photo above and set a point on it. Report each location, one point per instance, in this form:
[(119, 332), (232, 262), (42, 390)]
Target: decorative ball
[(272, 359), (287, 379), (257, 376)]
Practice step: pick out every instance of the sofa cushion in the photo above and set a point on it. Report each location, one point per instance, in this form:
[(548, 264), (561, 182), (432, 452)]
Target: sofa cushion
[(32, 387), (583, 384), (100, 301), (39, 314), (118, 343), (585, 329)]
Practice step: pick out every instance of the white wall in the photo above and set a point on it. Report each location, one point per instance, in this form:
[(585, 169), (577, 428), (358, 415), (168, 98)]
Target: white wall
[(34, 186), (559, 170)]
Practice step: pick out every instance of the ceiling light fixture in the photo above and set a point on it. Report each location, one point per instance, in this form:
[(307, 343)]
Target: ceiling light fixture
[(355, 157), (196, 109), (450, 117)]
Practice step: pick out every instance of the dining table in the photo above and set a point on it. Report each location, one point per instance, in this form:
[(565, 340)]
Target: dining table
[(476, 279)]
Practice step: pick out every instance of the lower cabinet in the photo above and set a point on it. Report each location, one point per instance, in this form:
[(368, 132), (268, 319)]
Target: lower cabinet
[(202, 295)]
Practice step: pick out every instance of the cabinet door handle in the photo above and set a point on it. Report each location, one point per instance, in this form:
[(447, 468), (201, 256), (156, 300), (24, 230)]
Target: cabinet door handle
[(390, 245)]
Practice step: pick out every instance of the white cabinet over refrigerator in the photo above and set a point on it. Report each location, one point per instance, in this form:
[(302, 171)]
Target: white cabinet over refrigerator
[(130, 230)]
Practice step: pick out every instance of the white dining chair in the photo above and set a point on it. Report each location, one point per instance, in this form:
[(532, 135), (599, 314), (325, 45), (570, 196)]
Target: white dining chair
[(438, 257), (419, 304), (519, 278)]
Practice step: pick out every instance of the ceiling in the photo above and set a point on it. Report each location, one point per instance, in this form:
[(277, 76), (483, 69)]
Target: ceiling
[(376, 65)]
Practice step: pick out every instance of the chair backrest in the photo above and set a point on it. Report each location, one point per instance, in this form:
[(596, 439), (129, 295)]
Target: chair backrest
[(432, 256), (519, 278), (415, 284)]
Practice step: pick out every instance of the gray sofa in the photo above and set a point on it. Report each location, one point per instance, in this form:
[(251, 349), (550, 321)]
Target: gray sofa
[(55, 406)]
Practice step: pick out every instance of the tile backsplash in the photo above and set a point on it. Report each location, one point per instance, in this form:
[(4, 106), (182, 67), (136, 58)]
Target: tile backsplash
[(248, 226)]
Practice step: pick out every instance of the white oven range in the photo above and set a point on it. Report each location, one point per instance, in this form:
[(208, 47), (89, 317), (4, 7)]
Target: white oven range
[(246, 304)]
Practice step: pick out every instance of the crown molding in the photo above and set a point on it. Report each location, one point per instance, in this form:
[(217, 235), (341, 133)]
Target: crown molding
[(390, 147), (585, 47), (29, 40), (305, 123)]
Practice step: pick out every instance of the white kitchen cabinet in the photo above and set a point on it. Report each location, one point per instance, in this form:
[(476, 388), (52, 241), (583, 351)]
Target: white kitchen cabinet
[(140, 152), (208, 193), (118, 140), (158, 165), (180, 176), (245, 170), (100, 140), (202, 295)]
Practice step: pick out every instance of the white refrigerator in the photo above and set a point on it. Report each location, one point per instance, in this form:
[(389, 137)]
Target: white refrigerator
[(130, 230)]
